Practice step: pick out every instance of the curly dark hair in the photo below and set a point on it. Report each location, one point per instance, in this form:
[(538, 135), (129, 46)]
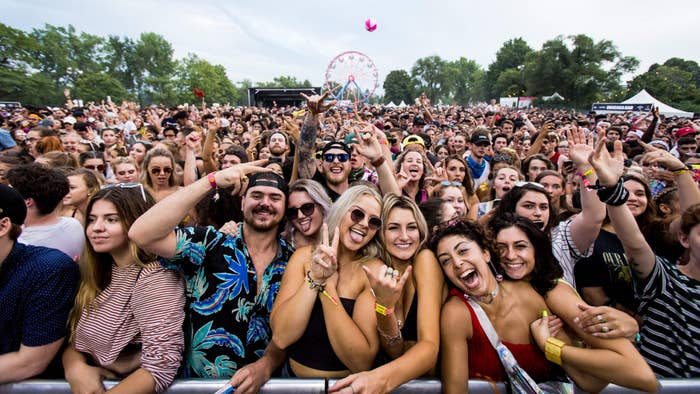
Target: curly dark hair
[(547, 269), (470, 230), (46, 186)]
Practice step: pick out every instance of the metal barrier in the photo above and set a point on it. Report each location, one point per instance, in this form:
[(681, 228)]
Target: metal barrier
[(319, 386)]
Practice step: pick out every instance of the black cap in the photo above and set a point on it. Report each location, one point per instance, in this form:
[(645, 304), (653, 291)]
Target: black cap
[(270, 179), (418, 121), (12, 205), (480, 139), (335, 145)]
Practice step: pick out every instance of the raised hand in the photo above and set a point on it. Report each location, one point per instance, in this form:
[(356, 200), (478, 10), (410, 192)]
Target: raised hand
[(387, 285), (367, 144), (660, 157), (193, 141), (580, 147), (237, 176), (316, 103), (402, 179), (609, 168), (324, 259)]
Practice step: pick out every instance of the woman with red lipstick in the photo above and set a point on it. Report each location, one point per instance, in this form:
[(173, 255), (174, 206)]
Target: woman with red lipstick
[(514, 309), (324, 312)]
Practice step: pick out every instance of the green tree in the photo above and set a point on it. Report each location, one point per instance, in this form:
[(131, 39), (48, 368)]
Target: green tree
[(120, 61), (155, 67), (671, 84), (511, 56), (398, 86), (465, 78), (97, 86), (285, 81), (194, 72), (431, 76)]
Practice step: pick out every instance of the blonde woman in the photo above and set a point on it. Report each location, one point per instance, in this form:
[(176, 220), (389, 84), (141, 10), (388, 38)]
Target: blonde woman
[(158, 173)]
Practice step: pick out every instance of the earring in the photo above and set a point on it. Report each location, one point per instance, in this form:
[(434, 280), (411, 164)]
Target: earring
[(499, 277)]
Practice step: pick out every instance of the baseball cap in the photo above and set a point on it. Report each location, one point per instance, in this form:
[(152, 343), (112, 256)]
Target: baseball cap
[(69, 119), (270, 179), (335, 145), (12, 205), (683, 131), (480, 139), (412, 139)]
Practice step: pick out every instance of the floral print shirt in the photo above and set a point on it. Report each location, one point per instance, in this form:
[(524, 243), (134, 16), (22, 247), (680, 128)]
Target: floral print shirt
[(228, 319)]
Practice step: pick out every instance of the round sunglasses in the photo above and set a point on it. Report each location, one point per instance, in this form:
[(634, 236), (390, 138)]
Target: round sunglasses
[(306, 210), (356, 215)]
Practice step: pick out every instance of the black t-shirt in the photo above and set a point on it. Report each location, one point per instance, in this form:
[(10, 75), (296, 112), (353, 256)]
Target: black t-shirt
[(608, 268), (318, 177)]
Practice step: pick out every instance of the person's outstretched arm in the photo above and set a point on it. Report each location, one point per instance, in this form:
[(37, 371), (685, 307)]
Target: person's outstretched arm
[(309, 131)]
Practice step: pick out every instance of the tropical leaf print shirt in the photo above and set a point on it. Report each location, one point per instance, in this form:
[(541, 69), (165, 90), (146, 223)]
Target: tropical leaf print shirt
[(228, 319)]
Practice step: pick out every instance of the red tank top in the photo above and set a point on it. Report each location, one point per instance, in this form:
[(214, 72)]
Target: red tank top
[(483, 359)]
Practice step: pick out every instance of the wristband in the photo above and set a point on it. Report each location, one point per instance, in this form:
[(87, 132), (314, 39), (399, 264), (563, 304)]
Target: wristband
[(589, 172), (382, 310), (378, 162), (552, 350), (212, 180), (613, 195)]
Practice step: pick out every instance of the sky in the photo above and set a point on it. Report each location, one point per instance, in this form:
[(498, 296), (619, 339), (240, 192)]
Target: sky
[(259, 40)]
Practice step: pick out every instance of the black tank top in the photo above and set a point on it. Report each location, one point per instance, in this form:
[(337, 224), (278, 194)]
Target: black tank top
[(409, 331), (314, 349)]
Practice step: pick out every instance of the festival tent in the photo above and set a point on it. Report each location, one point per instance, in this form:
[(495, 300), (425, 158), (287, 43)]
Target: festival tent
[(403, 104), (643, 97), (391, 105), (556, 95)]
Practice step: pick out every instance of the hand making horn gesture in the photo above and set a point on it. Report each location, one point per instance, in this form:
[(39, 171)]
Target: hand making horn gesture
[(237, 176), (324, 259), (388, 284), (316, 103), (367, 144)]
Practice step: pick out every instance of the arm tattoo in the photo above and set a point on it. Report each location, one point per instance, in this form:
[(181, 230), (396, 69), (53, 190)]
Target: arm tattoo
[(305, 147)]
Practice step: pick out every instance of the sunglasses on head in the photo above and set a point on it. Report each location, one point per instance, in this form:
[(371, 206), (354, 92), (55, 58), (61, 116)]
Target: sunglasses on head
[(330, 157), (453, 183), (158, 170), (535, 184), (501, 157), (126, 186), (356, 215), (306, 210), (99, 167)]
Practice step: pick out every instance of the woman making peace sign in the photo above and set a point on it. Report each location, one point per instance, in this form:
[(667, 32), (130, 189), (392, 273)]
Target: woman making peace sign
[(324, 313)]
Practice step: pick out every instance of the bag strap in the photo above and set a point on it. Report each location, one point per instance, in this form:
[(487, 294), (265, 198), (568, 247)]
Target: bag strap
[(485, 324)]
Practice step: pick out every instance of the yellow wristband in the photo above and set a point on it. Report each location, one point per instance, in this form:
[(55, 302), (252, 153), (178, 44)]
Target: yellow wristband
[(552, 350), (589, 172), (382, 310), (680, 172)]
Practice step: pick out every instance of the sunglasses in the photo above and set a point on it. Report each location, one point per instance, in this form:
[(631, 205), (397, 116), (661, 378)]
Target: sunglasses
[(453, 183), (99, 167), (501, 157), (330, 157), (356, 215), (158, 170), (535, 184), (306, 210), (122, 173), (126, 186)]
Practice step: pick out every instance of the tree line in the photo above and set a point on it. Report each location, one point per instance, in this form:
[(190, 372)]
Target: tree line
[(36, 66)]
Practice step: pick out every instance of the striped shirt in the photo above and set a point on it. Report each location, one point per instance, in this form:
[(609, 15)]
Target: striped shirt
[(671, 331), (139, 307), (565, 250)]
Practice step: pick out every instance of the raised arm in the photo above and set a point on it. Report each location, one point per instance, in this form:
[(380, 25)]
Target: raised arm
[(688, 192), (193, 146), (609, 169), (537, 143), (210, 165), (585, 227), (309, 131), (154, 230), (369, 147)]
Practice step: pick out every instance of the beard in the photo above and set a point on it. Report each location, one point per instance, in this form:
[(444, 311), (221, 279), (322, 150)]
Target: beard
[(277, 150), (262, 225)]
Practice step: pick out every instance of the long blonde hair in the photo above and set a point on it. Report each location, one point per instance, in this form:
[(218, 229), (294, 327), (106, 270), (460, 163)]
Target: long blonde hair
[(96, 268), (390, 202), (342, 206)]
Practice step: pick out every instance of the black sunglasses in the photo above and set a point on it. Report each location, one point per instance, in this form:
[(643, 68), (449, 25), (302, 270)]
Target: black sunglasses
[(356, 215), (306, 210), (342, 157)]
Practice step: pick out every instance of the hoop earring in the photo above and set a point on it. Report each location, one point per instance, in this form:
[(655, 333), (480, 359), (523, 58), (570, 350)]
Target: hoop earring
[(499, 277)]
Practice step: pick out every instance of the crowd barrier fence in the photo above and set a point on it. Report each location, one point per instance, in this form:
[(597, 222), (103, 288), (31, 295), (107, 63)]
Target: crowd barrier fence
[(320, 386)]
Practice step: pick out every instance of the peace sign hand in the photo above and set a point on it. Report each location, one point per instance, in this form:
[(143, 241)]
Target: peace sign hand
[(324, 261), (387, 285)]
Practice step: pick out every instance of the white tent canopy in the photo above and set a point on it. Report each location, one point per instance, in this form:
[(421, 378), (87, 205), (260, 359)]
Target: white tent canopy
[(391, 104), (403, 104), (643, 97)]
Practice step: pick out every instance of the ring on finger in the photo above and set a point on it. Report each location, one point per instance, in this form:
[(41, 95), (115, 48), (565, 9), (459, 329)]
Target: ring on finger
[(389, 272), (395, 274), (605, 329), (600, 318)]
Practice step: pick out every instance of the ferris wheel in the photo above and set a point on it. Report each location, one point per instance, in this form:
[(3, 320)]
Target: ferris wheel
[(351, 77)]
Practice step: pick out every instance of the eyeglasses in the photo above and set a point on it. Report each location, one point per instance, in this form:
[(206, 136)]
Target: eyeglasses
[(563, 146), (522, 184), (453, 183), (330, 157), (122, 173), (126, 186), (356, 215), (169, 135), (158, 170), (99, 167), (306, 210)]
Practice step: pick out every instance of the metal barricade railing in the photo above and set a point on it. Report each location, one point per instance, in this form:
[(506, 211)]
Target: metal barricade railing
[(320, 386)]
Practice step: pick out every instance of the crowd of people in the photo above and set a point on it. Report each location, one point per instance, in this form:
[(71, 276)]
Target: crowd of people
[(365, 244)]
